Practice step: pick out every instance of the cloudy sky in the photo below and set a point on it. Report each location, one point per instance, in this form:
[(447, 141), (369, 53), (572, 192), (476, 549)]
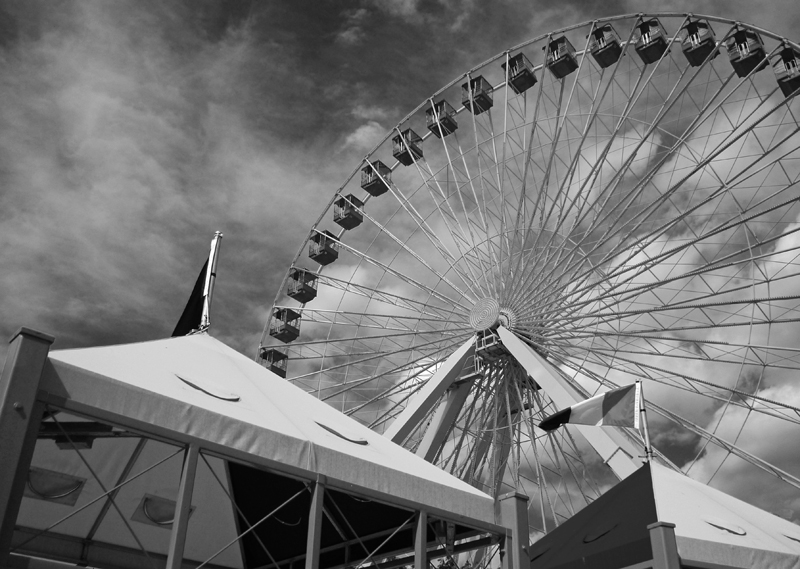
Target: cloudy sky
[(130, 132)]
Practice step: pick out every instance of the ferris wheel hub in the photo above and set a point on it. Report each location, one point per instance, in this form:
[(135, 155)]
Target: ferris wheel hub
[(485, 314)]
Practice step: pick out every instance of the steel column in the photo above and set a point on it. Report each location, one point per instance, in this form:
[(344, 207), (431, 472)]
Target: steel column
[(315, 524), (20, 416), (429, 394), (421, 541), (181, 521), (443, 419)]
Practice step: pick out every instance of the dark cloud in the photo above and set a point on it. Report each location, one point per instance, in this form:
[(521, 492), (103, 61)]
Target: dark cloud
[(131, 131)]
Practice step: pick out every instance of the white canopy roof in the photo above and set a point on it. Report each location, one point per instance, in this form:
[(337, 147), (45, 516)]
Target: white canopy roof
[(195, 387), (712, 529)]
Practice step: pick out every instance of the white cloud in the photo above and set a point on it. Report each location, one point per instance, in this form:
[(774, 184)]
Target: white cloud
[(366, 136), (353, 32)]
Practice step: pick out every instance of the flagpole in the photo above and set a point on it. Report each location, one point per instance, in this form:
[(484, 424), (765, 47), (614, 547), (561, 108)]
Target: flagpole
[(648, 449), (211, 277)]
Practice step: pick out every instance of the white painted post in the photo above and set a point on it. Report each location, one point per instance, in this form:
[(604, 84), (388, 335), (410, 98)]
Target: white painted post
[(514, 515), (315, 524), (421, 541), (180, 523), (665, 547)]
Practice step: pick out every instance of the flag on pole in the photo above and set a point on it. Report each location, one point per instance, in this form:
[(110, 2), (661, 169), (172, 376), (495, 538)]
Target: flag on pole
[(618, 408), (193, 313), (195, 316)]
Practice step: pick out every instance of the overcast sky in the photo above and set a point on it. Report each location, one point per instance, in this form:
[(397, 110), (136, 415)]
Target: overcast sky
[(131, 131)]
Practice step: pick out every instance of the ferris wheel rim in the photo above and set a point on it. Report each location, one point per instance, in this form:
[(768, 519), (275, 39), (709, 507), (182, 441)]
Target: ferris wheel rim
[(612, 274), (537, 67)]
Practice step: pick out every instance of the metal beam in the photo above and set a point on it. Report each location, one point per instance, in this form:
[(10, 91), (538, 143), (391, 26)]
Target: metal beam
[(20, 417), (68, 549), (315, 525), (421, 541), (118, 486), (444, 418), (429, 394), (613, 447), (177, 539)]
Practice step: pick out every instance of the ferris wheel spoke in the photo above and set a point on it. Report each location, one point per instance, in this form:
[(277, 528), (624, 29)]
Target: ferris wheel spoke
[(699, 120), (366, 319), (445, 313), (404, 247), (561, 122), (464, 179), (480, 205), (334, 341), (448, 216), (430, 234), (633, 290), (535, 260), (626, 167), (526, 401), (426, 349), (467, 439), (650, 210), (405, 278), (645, 266)]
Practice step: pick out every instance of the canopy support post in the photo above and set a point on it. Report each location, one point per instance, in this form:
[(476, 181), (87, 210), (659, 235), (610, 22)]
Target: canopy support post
[(315, 524), (607, 442), (421, 541), (514, 514), (665, 548), (177, 539), (430, 393), (20, 417)]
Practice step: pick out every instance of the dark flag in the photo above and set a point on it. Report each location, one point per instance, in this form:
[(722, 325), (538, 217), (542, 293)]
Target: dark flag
[(192, 316)]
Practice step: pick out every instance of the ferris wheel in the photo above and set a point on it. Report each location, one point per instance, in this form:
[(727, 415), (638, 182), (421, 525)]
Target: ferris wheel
[(616, 201)]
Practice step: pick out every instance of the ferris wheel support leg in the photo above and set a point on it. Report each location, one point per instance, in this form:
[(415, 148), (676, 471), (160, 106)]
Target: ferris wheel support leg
[(429, 394), (443, 419), (612, 446), (501, 451)]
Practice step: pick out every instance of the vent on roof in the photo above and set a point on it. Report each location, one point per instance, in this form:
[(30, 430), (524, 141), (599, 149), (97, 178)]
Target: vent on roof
[(211, 390), (156, 511), (350, 438), (599, 532), (725, 525), (53, 486), (537, 554)]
